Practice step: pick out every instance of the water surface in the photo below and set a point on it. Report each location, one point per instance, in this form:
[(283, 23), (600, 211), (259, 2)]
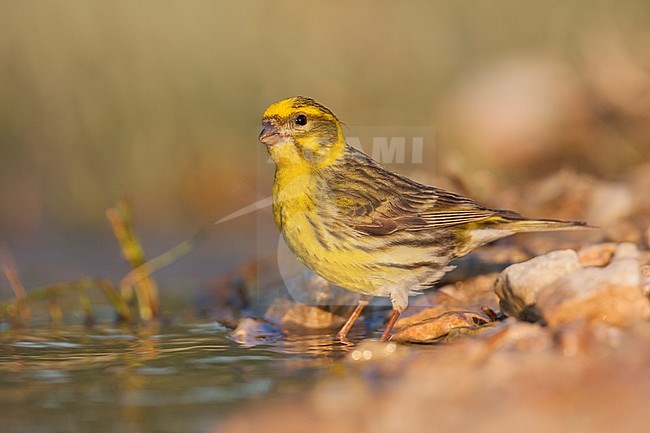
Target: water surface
[(184, 378)]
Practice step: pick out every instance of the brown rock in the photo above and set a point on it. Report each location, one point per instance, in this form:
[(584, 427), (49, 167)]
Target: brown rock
[(611, 295), (518, 336), (645, 282), (433, 329), (627, 250), (580, 337), (470, 293), (307, 316), (597, 255), (518, 285), (290, 314), (420, 316), (278, 309)]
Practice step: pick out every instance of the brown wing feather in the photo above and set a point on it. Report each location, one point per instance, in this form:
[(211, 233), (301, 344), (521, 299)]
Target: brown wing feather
[(392, 216), (392, 203)]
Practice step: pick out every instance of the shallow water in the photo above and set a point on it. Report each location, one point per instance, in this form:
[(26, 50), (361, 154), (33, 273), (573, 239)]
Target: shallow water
[(171, 379)]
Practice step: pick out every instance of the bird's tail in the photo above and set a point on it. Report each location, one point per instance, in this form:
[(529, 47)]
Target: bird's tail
[(519, 224), (507, 223)]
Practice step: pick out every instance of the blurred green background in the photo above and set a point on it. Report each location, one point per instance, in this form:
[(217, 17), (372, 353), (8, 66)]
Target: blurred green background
[(161, 101)]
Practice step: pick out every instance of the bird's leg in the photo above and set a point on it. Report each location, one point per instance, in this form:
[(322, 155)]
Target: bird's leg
[(391, 323), (353, 318), (399, 298)]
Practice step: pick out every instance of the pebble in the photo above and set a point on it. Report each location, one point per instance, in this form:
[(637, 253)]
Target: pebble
[(518, 286), (513, 335), (289, 314), (610, 295), (433, 329), (251, 331), (597, 255)]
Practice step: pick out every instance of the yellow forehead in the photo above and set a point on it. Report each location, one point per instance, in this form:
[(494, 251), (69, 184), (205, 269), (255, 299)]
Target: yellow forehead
[(283, 108), (290, 106)]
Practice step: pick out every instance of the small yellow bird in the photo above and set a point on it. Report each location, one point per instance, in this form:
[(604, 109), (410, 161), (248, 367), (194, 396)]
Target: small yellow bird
[(361, 226)]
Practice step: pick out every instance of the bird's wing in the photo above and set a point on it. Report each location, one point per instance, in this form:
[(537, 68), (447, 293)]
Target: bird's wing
[(375, 201), (423, 208)]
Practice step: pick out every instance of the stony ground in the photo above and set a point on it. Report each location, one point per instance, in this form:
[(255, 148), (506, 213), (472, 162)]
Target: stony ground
[(539, 334)]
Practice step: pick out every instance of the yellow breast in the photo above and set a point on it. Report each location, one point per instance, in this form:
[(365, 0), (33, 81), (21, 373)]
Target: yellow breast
[(303, 225), (312, 228)]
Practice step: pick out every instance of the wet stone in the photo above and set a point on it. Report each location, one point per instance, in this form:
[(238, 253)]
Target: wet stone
[(290, 314), (253, 331)]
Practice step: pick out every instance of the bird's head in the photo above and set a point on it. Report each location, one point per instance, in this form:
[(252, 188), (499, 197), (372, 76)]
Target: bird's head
[(299, 131)]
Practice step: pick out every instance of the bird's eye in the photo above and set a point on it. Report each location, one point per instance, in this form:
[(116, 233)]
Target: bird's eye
[(301, 120)]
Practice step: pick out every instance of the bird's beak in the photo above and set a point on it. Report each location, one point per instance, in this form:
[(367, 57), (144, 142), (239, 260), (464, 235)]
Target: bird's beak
[(270, 134)]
